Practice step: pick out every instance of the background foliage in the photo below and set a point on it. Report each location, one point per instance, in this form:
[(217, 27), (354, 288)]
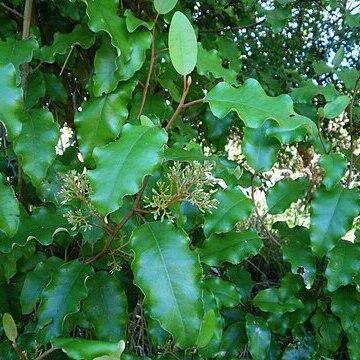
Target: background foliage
[(179, 179)]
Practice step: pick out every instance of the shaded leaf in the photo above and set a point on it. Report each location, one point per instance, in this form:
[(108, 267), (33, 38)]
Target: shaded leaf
[(284, 192), (232, 247), (168, 273), (36, 281), (259, 336), (335, 167), (233, 207), (101, 119), (139, 145), (164, 6), (309, 89), (9, 210), (62, 297), (106, 307), (339, 56), (55, 88), (224, 291), (36, 143), (182, 44), (344, 264), (332, 214)]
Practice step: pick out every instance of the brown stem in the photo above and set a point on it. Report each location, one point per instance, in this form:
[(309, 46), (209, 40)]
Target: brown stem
[(10, 10), (268, 232), (45, 353), (151, 66), (351, 123), (192, 103), (235, 28), (20, 354)]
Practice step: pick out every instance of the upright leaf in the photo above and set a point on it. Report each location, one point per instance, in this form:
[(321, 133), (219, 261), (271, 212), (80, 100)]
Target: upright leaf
[(284, 192), (232, 247), (182, 44), (344, 264), (259, 336), (332, 214), (9, 210), (140, 145), (334, 166), (233, 207), (106, 307), (9, 327), (10, 101), (224, 291), (101, 119), (62, 297), (168, 273), (36, 143), (164, 6)]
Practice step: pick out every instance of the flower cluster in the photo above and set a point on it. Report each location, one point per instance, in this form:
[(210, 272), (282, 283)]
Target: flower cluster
[(192, 183)]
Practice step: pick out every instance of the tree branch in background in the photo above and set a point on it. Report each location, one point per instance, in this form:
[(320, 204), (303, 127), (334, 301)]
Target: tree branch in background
[(235, 28)]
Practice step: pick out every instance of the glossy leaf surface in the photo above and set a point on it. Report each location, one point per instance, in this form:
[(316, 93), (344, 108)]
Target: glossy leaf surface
[(173, 295), (164, 6), (259, 336), (334, 166), (224, 291)]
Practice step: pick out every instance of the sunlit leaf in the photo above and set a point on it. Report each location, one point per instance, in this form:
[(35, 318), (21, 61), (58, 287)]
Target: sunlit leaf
[(334, 166), (164, 6), (224, 291), (9, 327)]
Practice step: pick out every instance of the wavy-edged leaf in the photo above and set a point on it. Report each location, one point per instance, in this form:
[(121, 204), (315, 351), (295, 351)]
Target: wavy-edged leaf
[(182, 44), (80, 35), (336, 107), (168, 273), (232, 247), (132, 22), (260, 149), (164, 6), (284, 192), (36, 281), (332, 214), (101, 119), (259, 336), (79, 349), (62, 297), (224, 291), (9, 210), (36, 143), (233, 207), (309, 89), (209, 61), (254, 107), (106, 307), (344, 264), (10, 101), (138, 145), (327, 329), (335, 167), (180, 154), (17, 52)]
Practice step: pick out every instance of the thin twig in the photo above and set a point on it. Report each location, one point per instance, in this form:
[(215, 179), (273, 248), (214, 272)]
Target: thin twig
[(151, 66), (235, 28), (351, 123), (19, 353), (192, 103), (320, 136), (45, 353), (10, 10), (67, 59)]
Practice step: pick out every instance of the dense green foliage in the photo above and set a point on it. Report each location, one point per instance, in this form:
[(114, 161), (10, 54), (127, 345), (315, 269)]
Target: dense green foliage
[(179, 179)]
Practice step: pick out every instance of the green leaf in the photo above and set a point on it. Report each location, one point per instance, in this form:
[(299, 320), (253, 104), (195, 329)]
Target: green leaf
[(164, 6), (80, 35), (17, 52), (233, 207), (259, 336), (254, 107), (327, 329), (9, 327), (42, 225), (168, 273), (234, 339), (284, 192), (335, 167), (232, 247), (339, 56), (207, 329), (36, 281), (11, 101), (132, 22), (101, 119), (62, 297), (89, 349), (180, 154), (344, 264), (259, 149), (140, 145), (35, 88), (332, 214), (278, 18), (209, 61), (336, 107), (9, 210), (308, 90), (349, 77), (224, 291), (36, 143), (55, 88), (106, 307), (182, 44)]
